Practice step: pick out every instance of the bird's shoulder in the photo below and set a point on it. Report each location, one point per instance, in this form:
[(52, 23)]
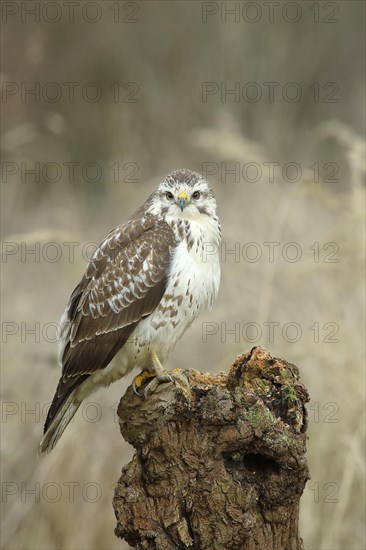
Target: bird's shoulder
[(133, 258), (139, 233)]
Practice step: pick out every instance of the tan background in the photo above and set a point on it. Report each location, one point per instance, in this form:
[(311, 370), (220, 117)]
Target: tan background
[(169, 53)]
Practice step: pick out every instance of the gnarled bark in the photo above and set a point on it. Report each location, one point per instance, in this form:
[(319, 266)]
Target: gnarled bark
[(223, 470)]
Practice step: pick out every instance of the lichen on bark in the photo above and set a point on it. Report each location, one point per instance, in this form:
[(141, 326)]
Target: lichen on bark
[(221, 470)]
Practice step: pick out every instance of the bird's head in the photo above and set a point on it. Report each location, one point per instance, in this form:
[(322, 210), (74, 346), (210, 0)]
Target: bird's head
[(184, 194)]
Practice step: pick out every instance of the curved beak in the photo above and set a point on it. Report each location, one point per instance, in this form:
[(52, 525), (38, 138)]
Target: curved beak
[(182, 200)]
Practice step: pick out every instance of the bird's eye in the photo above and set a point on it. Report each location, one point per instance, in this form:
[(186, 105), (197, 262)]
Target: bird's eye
[(196, 195), (169, 195)]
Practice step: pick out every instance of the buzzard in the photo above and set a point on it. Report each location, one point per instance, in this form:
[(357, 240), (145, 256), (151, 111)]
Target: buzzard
[(144, 286)]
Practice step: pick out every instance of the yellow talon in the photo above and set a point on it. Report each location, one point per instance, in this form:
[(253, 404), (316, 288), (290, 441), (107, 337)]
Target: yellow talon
[(182, 377), (159, 374), (140, 378), (178, 371)]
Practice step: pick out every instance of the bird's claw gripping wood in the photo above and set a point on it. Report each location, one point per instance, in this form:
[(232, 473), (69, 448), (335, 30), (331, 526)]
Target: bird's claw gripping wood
[(140, 379), (159, 376), (176, 375)]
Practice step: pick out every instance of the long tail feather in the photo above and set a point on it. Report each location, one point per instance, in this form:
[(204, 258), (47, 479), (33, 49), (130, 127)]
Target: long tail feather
[(58, 424)]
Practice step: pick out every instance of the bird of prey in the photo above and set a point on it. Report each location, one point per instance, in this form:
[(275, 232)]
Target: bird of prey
[(144, 286)]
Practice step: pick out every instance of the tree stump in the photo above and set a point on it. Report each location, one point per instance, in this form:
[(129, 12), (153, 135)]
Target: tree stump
[(223, 470)]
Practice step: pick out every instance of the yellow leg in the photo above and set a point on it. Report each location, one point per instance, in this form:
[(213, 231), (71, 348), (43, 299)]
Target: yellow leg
[(158, 367)]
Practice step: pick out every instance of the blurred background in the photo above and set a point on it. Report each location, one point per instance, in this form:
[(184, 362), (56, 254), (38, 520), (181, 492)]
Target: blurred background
[(100, 100)]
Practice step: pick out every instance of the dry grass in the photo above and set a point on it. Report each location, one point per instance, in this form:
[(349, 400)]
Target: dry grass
[(171, 128)]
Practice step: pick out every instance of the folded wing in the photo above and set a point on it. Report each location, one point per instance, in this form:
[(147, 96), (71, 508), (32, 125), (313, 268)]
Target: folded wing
[(124, 282)]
